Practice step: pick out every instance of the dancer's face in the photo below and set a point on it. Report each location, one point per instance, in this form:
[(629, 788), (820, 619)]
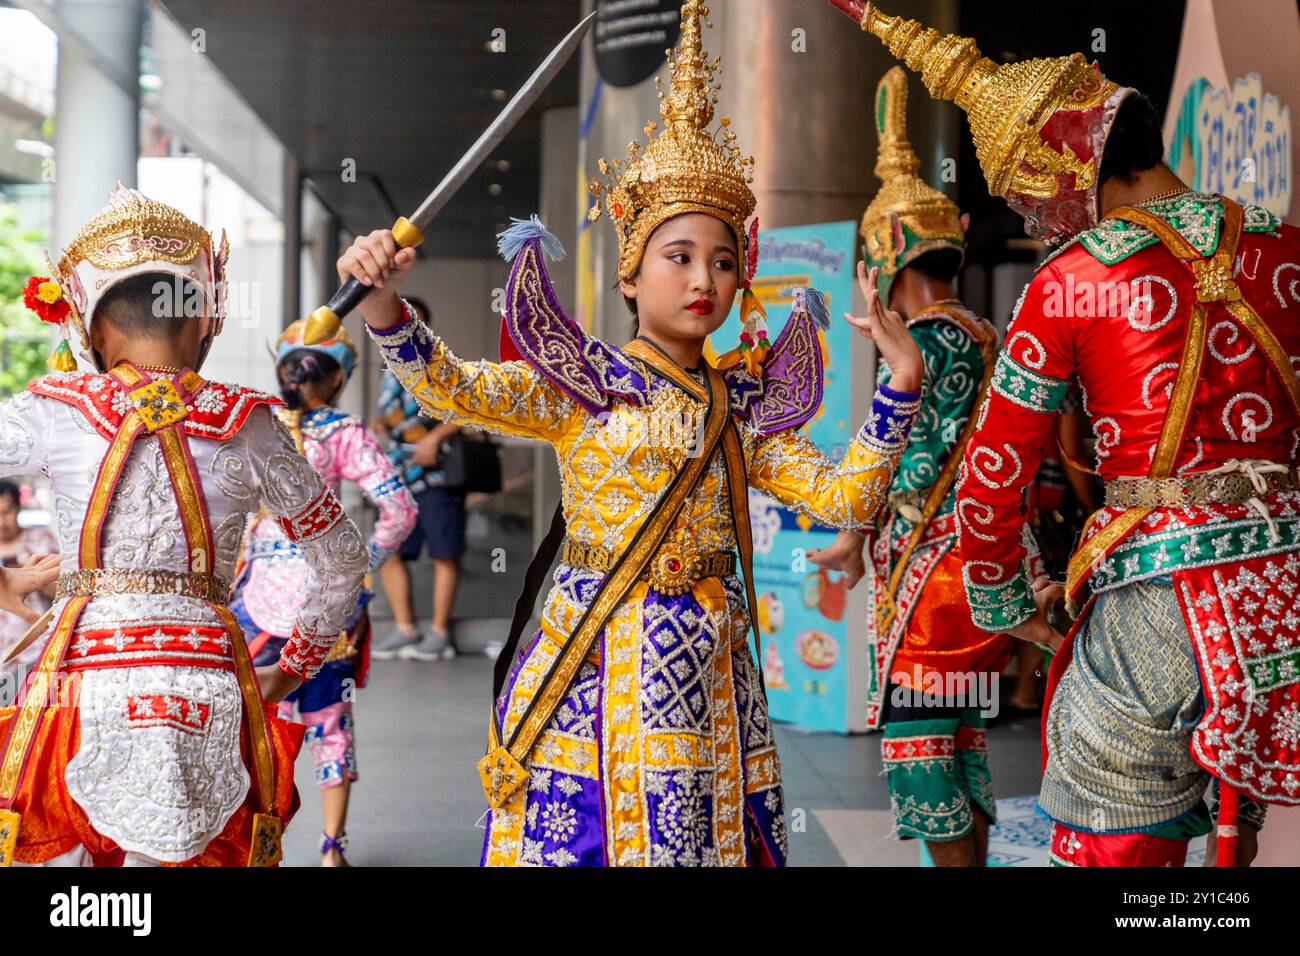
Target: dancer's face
[(688, 278), (9, 529)]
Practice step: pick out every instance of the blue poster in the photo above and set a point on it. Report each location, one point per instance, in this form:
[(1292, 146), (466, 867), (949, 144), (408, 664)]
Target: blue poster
[(801, 608)]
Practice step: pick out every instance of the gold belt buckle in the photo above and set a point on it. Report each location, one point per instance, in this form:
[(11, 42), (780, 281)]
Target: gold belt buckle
[(673, 571)]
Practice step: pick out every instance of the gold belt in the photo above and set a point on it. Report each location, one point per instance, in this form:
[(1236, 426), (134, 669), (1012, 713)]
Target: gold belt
[(671, 571), (100, 582), (1233, 488)]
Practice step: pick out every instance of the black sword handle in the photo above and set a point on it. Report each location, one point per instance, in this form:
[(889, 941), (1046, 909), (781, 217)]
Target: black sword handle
[(323, 324)]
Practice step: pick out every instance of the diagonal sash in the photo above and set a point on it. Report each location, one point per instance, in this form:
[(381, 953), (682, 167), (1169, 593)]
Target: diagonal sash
[(43, 691), (502, 768)]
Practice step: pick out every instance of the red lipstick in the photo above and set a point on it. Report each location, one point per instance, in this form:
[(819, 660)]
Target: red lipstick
[(701, 307)]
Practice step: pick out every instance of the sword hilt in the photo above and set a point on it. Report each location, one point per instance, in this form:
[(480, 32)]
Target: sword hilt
[(323, 324)]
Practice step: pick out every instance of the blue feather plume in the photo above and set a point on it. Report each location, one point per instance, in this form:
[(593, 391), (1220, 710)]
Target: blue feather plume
[(521, 232), (810, 300)]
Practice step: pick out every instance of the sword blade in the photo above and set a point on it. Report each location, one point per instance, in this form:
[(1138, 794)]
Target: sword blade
[(494, 134)]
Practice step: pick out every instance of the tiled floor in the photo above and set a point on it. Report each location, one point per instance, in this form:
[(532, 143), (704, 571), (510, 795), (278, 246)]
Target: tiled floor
[(421, 727)]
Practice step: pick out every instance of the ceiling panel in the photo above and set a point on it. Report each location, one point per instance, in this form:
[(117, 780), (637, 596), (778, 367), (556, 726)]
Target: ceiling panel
[(403, 87)]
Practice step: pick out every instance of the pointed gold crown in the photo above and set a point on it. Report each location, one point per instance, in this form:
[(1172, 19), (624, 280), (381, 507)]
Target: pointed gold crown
[(907, 217), (685, 168), (1007, 105)]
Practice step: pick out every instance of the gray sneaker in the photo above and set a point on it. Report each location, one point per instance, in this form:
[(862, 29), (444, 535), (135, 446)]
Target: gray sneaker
[(435, 646), (392, 645)]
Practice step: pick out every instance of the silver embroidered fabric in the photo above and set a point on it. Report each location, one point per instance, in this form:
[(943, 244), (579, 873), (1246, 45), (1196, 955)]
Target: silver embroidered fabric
[(1121, 719), (155, 789), (165, 789)]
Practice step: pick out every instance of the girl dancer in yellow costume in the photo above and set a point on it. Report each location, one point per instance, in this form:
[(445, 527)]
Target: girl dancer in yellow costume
[(633, 729)]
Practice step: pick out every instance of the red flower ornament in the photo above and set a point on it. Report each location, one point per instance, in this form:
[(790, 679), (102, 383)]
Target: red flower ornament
[(44, 296)]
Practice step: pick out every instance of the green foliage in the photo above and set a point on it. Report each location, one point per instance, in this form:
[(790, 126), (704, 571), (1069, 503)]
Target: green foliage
[(24, 338)]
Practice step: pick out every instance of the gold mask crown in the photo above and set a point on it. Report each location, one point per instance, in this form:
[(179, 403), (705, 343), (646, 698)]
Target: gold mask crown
[(134, 231), (907, 217), (685, 168), (1007, 104), (130, 235)]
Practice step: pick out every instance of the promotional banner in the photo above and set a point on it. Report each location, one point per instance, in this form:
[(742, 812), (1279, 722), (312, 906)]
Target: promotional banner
[(802, 608)]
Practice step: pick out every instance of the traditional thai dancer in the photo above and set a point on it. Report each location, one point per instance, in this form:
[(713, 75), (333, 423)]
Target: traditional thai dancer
[(928, 661), (1171, 309), (145, 736), (276, 570), (633, 729)]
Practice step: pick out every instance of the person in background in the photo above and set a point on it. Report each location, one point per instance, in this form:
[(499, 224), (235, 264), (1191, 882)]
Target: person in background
[(918, 624), (274, 570), (415, 444), (18, 546)]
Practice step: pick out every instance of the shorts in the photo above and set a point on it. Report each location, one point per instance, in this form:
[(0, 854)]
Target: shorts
[(440, 526)]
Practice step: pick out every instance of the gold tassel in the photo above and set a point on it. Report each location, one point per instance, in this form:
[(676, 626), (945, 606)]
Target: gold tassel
[(62, 359), (266, 849)]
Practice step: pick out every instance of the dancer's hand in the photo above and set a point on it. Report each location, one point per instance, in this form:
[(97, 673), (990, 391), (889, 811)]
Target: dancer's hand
[(1036, 629), (376, 261), (17, 583), (276, 683), (887, 329), (844, 554)]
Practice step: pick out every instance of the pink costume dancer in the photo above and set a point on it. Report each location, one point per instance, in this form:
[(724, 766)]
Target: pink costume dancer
[(340, 448)]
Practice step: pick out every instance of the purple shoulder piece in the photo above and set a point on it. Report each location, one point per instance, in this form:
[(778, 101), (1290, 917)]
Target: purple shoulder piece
[(791, 388), (591, 372)]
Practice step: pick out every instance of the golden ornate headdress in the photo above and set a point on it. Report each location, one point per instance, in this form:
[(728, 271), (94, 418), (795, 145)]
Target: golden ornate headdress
[(1039, 125), (907, 218), (131, 235), (684, 168)]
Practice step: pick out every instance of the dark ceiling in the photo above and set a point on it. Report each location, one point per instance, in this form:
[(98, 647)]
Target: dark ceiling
[(1134, 43), (404, 87)]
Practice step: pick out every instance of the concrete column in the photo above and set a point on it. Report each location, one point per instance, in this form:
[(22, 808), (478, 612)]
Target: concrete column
[(559, 210), (292, 297), (96, 138)]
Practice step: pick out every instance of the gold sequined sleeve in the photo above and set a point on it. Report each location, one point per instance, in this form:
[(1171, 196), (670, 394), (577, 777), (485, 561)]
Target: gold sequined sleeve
[(510, 398), (847, 495)]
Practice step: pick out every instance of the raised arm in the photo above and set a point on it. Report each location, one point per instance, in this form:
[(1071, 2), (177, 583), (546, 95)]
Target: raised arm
[(849, 495), (846, 495), (1029, 382), (511, 398), (362, 461), (310, 515)]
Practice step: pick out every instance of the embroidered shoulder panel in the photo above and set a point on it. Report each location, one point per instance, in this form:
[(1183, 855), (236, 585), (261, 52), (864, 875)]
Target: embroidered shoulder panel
[(217, 411), (591, 372), (323, 422), (954, 312), (790, 390), (1196, 216)]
